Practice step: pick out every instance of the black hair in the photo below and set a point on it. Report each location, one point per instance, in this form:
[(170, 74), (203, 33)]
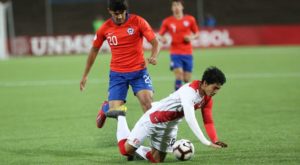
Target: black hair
[(213, 75), (180, 1), (117, 5)]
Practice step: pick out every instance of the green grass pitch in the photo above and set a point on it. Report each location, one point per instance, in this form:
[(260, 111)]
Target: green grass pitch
[(45, 119)]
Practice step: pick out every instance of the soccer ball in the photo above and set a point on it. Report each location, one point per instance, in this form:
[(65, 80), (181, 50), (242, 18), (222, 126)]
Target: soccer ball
[(183, 149)]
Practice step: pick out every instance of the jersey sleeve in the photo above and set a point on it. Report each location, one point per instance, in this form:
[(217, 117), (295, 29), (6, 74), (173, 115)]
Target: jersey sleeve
[(163, 29), (99, 38), (194, 26), (146, 29), (208, 121), (186, 96)]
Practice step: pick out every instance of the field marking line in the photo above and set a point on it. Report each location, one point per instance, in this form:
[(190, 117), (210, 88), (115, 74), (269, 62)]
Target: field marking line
[(26, 83)]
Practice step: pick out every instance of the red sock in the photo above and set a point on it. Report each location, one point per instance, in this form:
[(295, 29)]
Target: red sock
[(121, 145), (150, 157)]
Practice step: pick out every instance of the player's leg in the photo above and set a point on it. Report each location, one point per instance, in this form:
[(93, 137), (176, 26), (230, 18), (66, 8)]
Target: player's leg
[(162, 140), (176, 65), (178, 72), (118, 87), (142, 152), (156, 156), (145, 98), (151, 154), (142, 88), (187, 68), (122, 135), (129, 142), (109, 108), (117, 93), (187, 77), (101, 117)]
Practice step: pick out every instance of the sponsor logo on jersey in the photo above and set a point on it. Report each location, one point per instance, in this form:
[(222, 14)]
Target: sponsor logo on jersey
[(130, 31)]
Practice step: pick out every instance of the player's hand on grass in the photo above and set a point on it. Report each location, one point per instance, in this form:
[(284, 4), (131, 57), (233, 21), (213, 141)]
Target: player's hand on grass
[(83, 82), (215, 146), (152, 60), (222, 144)]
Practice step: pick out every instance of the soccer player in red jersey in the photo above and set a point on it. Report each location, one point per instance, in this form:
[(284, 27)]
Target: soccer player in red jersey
[(183, 29), (124, 33), (160, 123)]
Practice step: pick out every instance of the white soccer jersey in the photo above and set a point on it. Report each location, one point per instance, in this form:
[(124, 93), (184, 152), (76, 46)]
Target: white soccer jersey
[(170, 109), (160, 122)]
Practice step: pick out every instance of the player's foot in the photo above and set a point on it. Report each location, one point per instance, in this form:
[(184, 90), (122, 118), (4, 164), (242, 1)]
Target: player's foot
[(130, 158), (101, 117), (135, 157), (114, 113), (141, 152)]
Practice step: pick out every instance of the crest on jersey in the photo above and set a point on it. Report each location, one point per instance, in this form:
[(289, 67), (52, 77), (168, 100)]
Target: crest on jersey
[(130, 31), (186, 23)]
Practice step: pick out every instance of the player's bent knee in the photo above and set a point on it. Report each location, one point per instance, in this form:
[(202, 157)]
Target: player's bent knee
[(122, 148), (147, 106), (125, 148), (130, 149)]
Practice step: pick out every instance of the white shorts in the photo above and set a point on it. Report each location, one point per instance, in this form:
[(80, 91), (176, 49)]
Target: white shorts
[(161, 136)]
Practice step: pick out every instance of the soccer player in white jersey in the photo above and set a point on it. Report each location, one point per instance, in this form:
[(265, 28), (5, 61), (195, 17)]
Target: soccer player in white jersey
[(160, 123)]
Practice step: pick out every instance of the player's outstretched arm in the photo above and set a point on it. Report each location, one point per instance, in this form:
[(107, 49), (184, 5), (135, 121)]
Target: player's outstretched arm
[(186, 97), (89, 63), (154, 51), (209, 124), (193, 124), (190, 118)]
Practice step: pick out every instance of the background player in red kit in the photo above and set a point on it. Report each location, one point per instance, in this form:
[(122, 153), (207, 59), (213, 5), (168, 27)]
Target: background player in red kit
[(124, 32), (160, 123), (183, 29)]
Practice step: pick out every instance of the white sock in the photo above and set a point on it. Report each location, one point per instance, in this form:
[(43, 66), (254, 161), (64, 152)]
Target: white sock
[(122, 128), (142, 151)]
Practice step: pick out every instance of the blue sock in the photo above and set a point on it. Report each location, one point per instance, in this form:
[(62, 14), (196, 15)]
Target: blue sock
[(178, 84), (105, 107)]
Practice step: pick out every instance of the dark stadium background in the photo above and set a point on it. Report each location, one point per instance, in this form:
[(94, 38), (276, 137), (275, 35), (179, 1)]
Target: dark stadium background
[(76, 16)]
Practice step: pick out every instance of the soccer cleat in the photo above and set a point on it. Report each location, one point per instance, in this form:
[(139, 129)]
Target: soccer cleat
[(130, 158), (135, 157), (101, 117), (114, 113), (141, 152)]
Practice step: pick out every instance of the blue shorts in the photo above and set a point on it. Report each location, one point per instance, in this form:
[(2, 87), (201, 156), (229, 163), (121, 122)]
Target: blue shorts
[(119, 83), (182, 61)]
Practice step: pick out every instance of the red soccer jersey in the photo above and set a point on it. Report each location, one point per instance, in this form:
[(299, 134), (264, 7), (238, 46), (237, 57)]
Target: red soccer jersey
[(206, 109), (178, 29), (126, 42)]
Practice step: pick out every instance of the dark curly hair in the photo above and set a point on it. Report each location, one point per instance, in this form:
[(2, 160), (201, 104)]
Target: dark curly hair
[(181, 1), (213, 75), (117, 5)]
